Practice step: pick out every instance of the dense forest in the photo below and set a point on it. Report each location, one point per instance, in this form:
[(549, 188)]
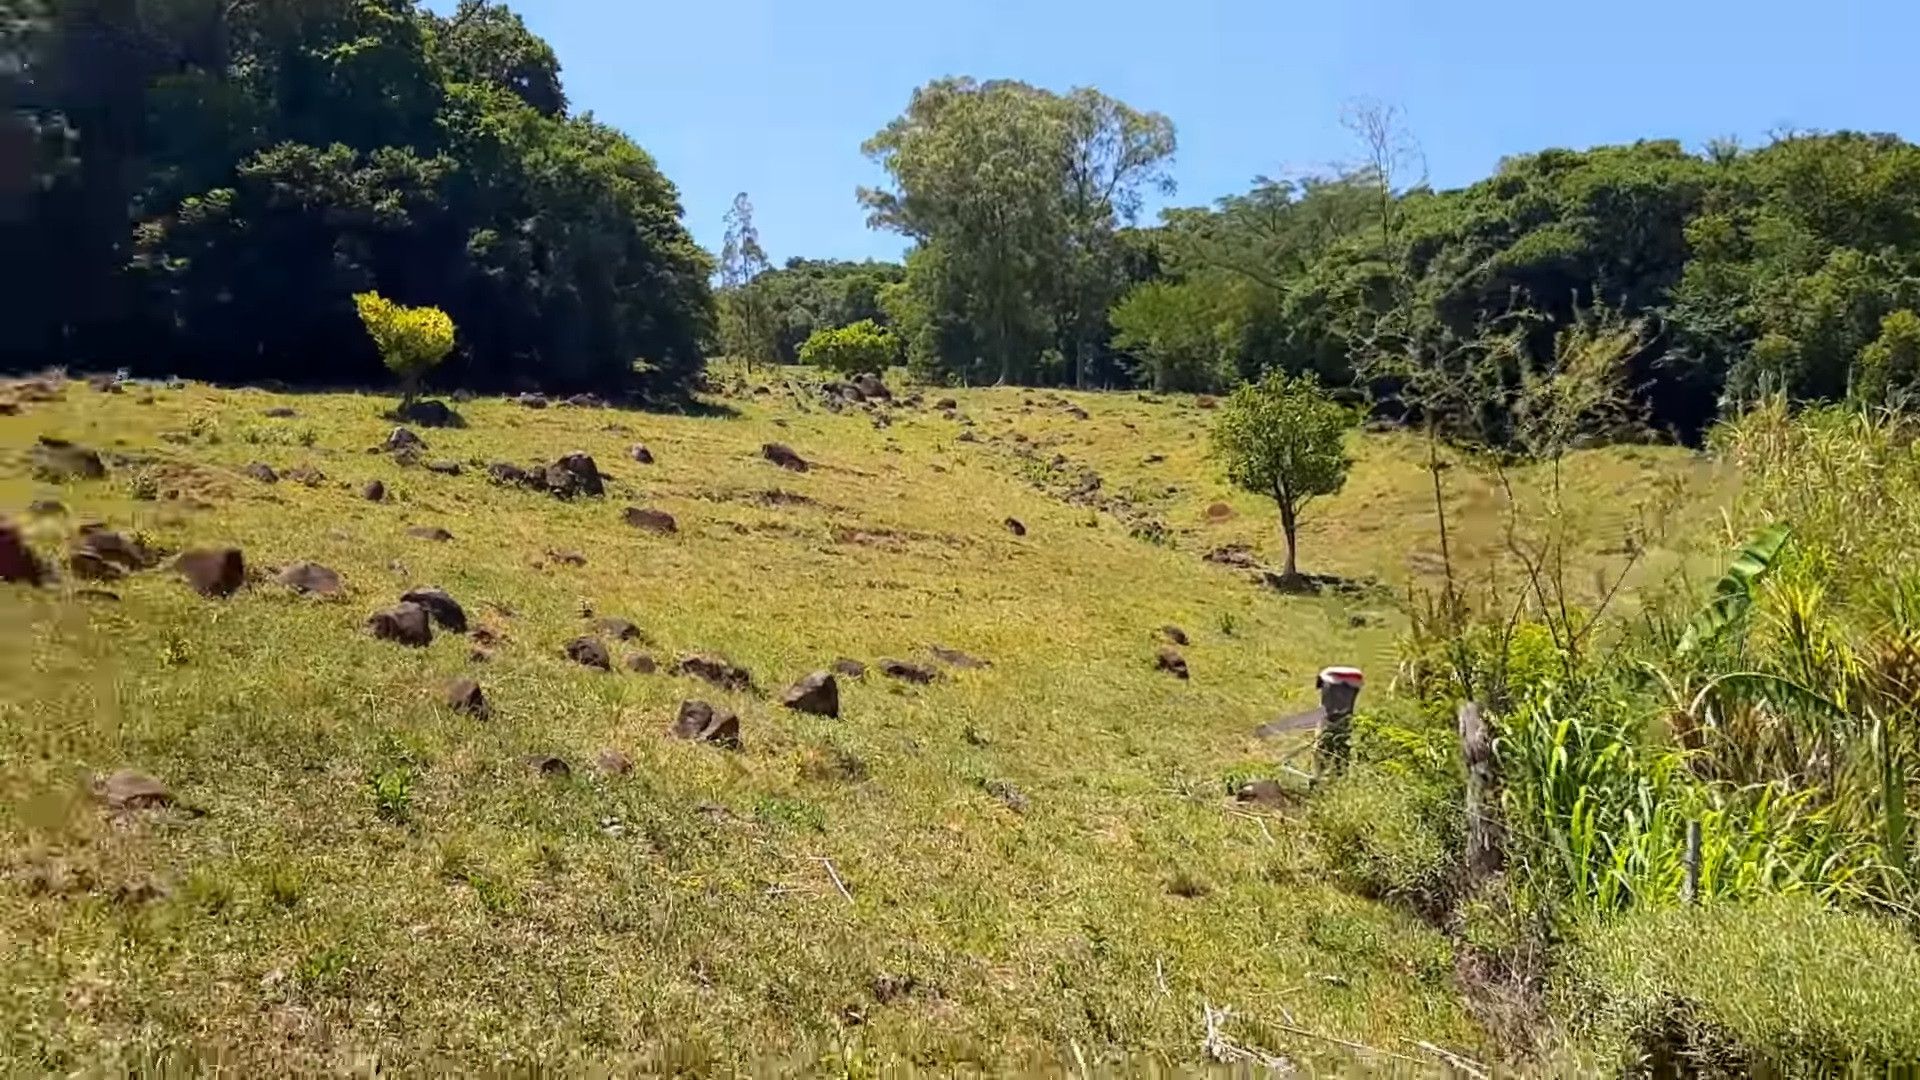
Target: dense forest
[(210, 182)]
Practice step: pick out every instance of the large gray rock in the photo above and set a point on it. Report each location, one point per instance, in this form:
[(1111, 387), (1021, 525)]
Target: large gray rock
[(818, 693), (707, 723)]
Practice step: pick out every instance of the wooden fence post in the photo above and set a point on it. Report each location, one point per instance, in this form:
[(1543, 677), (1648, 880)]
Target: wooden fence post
[(1690, 885), (1486, 840)]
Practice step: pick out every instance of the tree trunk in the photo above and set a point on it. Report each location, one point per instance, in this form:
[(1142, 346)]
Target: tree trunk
[(1290, 528)]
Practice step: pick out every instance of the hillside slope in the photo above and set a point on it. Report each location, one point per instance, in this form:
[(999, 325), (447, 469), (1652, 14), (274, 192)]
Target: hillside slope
[(1014, 864)]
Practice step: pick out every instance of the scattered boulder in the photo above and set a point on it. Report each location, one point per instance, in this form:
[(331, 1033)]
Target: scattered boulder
[(852, 669), (872, 387), (404, 439), (1205, 402), (433, 414), (658, 522), (946, 404), (17, 560), (1016, 526), (375, 491), (956, 658), (508, 474), (444, 468), (532, 401), (1263, 793), (99, 554), (612, 763), (574, 474), (1153, 459), (783, 455), (1170, 661), (566, 558), (262, 472), (1174, 634), (311, 579), (616, 628), (906, 672), (589, 652), (443, 609), (58, 461), (548, 765), (585, 401), (130, 790), (406, 624), (430, 532), (1077, 412), (1011, 797), (280, 412), (706, 723), (1235, 555), (1219, 512), (641, 454), (46, 507), (306, 475), (818, 694), (465, 696), (717, 670), (642, 664), (213, 572)]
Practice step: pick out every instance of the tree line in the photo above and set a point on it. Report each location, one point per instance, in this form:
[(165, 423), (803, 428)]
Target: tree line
[(206, 184), (202, 186), (1792, 267)]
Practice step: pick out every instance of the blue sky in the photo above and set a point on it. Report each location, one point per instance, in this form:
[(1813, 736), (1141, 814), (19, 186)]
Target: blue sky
[(774, 98)]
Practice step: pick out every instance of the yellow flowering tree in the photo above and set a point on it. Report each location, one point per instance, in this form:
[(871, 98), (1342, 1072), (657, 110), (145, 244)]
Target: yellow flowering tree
[(411, 340)]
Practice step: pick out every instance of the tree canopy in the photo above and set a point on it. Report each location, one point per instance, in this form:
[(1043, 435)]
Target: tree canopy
[(212, 183)]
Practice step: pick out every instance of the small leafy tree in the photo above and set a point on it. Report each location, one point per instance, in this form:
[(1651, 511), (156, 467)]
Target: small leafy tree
[(1283, 437), (411, 340), (1889, 367), (848, 350)]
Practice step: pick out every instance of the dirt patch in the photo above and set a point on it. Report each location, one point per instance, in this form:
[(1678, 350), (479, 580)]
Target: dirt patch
[(894, 540)]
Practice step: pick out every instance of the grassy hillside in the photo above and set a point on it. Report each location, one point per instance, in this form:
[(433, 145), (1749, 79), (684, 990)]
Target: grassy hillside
[(1034, 862)]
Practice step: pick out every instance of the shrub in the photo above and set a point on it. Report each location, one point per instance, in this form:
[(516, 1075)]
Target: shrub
[(1389, 835), (411, 340), (1783, 986), (848, 350)]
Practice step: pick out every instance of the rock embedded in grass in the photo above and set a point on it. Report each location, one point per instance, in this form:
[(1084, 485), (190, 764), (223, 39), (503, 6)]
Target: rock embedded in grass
[(851, 668), (784, 456), (130, 790), (548, 765), (717, 670), (641, 454), (279, 412), (589, 652), (311, 579), (574, 474), (306, 475), (907, 672), (1174, 634), (1010, 796), (817, 693), (405, 624), (99, 554), (1016, 526), (17, 560), (58, 461), (213, 572), (444, 468), (430, 413), (375, 491), (262, 472), (612, 763), (617, 628), (956, 658), (433, 533), (443, 608), (1169, 660), (642, 664), (464, 696), (401, 438), (658, 522), (707, 723)]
